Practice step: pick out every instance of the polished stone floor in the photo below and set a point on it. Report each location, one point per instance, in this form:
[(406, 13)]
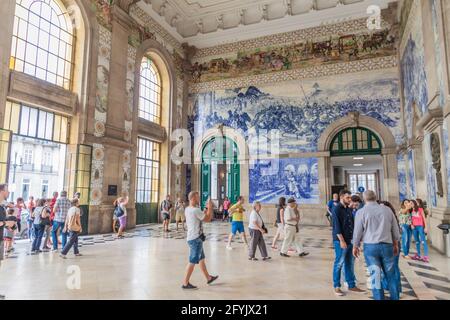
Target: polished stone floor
[(148, 264)]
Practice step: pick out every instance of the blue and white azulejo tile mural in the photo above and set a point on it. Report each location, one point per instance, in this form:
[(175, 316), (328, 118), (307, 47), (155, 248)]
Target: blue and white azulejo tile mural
[(295, 113), (287, 177), (402, 183), (411, 175)]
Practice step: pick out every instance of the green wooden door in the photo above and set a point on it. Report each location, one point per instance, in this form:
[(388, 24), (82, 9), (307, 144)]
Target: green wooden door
[(220, 150), (233, 190), (205, 183)]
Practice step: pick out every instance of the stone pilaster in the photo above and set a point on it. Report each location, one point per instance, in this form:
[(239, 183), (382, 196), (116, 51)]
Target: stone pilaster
[(7, 8)]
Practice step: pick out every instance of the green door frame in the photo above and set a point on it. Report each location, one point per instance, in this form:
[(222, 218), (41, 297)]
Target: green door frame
[(228, 155)]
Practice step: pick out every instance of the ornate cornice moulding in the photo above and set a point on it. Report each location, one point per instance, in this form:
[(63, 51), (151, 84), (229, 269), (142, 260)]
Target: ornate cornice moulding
[(145, 20), (295, 74)]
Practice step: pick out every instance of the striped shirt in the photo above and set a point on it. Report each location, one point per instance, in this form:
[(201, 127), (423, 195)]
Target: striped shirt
[(62, 207)]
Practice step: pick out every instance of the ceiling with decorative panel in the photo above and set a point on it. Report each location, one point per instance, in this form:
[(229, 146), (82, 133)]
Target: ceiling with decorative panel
[(205, 23)]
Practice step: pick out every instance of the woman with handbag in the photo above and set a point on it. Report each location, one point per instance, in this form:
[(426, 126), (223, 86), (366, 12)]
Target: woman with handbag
[(291, 221), (257, 230), (41, 214)]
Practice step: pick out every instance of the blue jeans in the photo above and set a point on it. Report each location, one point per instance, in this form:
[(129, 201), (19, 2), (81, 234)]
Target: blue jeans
[(419, 237), (380, 260), (196, 253), (30, 229), (56, 226), (38, 233), (344, 258), (73, 241), (398, 279), (406, 238)]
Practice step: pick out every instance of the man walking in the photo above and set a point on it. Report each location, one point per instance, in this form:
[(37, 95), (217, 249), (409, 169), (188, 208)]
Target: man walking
[(343, 224), (4, 194), (166, 206), (375, 225), (195, 238), (61, 208), (291, 220)]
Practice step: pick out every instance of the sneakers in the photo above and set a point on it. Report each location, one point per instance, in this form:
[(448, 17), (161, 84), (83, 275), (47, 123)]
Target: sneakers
[(252, 259), (229, 248), (416, 257), (213, 278), (303, 254), (189, 287), (62, 256), (78, 255), (356, 289), (284, 255), (425, 259), (267, 258), (338, 292)]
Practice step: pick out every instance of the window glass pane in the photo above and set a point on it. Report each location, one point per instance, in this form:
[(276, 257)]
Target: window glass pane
[(41, 28), (33, 122), (147, 179), (24, 120), (149, 102)]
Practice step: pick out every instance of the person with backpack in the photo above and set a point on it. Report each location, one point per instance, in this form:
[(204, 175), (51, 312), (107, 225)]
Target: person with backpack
[(120, 212), (257, 230), (73, 227), (166, 206), (41, 217)]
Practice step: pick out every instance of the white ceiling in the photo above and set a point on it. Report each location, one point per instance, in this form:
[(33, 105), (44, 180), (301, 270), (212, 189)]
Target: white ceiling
[(205, 23), (369, 162)]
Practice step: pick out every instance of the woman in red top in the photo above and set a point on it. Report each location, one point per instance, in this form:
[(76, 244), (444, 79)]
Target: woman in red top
[(419, 228)]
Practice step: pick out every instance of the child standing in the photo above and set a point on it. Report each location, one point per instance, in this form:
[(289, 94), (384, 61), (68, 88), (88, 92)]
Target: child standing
[(419, 229), (10, 230)]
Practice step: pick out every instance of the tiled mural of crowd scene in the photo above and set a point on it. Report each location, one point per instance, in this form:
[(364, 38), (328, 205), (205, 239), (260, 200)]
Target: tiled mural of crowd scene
[(299, 111), (297, 55), (290, 177)]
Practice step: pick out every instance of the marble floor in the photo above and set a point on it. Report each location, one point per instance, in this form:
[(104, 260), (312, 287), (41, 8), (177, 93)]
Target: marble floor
[(148, 264)]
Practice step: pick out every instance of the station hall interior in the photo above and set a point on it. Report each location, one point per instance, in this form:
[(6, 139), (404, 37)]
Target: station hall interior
[(259, 99)]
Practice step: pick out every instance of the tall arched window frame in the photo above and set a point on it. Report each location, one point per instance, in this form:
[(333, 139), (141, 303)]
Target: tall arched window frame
[(43, 41), (150, 91)]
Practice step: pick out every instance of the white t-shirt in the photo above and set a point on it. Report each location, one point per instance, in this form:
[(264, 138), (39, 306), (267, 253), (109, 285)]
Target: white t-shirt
[(194, 217), (255, 220)]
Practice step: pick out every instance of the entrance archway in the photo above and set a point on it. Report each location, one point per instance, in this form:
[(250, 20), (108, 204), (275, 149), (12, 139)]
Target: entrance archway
[(220, 171), (387, 153), (356, 161)]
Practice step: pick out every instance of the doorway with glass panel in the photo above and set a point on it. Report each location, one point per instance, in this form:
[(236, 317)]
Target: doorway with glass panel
[(356, 161), (220, 171)]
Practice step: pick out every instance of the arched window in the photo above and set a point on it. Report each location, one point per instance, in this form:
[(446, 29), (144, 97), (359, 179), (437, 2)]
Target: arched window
[(355, 141), (43, 41), (150, 92)]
